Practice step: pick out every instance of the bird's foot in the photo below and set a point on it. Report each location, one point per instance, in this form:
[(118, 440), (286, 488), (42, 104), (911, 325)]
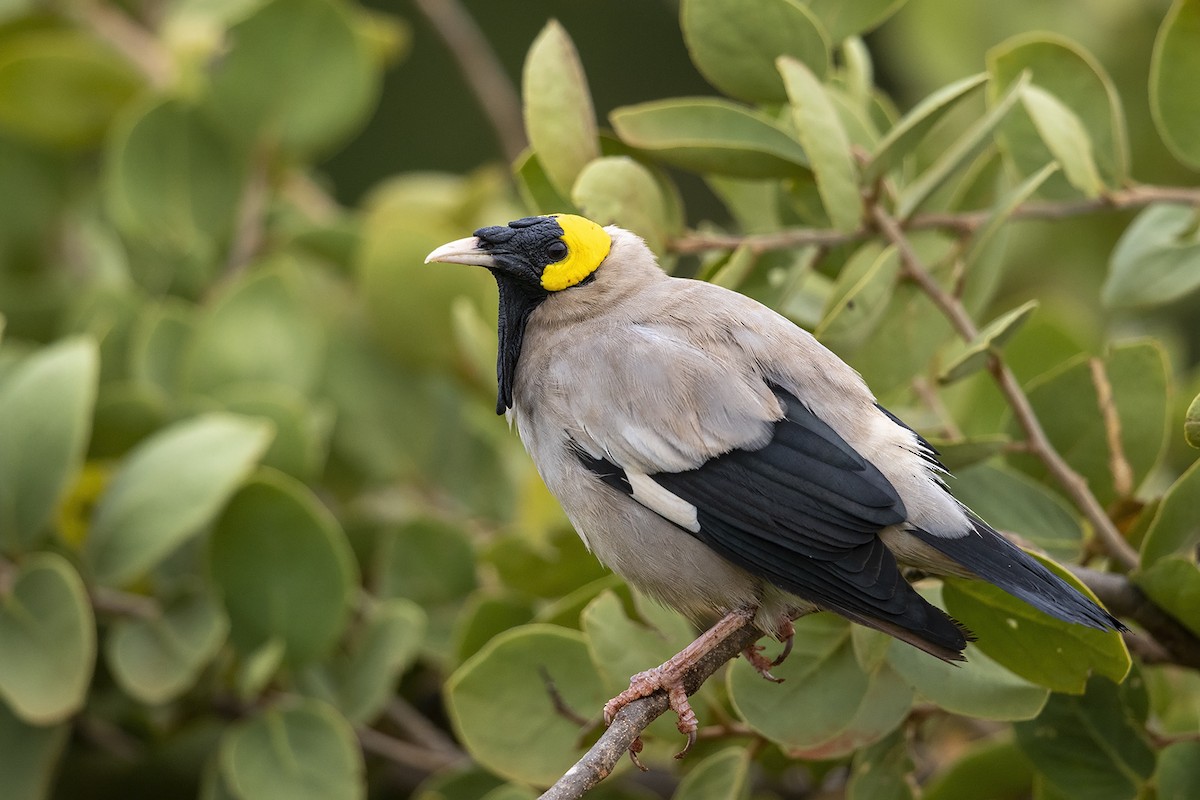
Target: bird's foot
[(668, 678), (762, 664)]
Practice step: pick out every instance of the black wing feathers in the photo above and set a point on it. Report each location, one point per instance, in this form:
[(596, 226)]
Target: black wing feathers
[(804, 512)]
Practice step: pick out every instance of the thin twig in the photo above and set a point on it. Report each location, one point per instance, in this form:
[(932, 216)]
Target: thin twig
[(599, 762), (482, 70), (140, 46), (1072, 482), (963, 222), (425, 759), (124, 604), (250, 223), (1122, 473), (560, 704), (418, 728)]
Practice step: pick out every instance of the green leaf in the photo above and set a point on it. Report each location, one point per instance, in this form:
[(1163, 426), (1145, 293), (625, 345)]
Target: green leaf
[(61, 86), (828, 705), (537, 192), (361, 678), (297, 75), (155, 660), (618, 190), (906, 134), (1175, 527), (958, 454), (859, 298), (989, 770), (1011, 501), (559, 116), (1178, 774), (825, 142), (1173, 583), (981, 688), (1058, 655), (844, 19), (1066, 402), (167, 489), (882, 771), (1077, 80), (1090, 746), (428, 561), (1066, 138), (621, 647), (1176, 60), (725, 775), (735, 43), (47, 640), (262, 331), (962, 152), (538, 744), (28, 756), (1191, 424), (970, 357), (283, 567), (302, 751), (482, 617), (158, 343), (45, 417), (711, 135), (172, 180), (1157, 259)]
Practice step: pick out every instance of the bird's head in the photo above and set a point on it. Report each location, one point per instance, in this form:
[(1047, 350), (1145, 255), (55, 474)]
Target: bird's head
[(531, 258), (541, 254)]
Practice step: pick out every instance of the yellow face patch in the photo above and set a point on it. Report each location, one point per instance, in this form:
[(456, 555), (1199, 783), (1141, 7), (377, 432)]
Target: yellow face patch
[(587, 245)]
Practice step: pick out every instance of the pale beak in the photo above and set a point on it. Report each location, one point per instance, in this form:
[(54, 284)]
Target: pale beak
[(463, 251)]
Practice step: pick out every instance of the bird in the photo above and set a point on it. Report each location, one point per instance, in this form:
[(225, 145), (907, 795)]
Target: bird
[(722, 460)]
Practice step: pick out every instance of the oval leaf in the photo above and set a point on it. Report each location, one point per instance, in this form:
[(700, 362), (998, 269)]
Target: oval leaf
[(1191, 423), (559, 116), (167, 489), (1173, 583), (1066, 138), (297, 74), (734, 43), (827, 705), (155, 660), (1157, 260), (619, 190), (844, 19), (859, 298), (283, 567), (711, 135), (503, 711), (47, 640), (982, 688), (45, 417), (1173, 69), (1058, 655), (305, 751), (1176, 524), (1073, 76), (725, 775), (1178, 773), (825, 142), (1011, 501)]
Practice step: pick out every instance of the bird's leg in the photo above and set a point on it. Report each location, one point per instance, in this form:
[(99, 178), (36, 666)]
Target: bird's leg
[(669, 677), (754, 653)]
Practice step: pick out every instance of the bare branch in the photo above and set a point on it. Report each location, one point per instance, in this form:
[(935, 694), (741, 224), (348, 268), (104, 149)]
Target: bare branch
[(140, 46), (1122, 473), (1071, 481), (482, 70), (964, 222), (599, 762), (424, 759)]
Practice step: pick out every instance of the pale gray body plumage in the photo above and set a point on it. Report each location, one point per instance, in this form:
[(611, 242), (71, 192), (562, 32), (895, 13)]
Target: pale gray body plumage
[(657, 374)]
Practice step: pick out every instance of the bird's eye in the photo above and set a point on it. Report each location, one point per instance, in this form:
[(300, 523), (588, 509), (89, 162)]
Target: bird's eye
[(556, 250)]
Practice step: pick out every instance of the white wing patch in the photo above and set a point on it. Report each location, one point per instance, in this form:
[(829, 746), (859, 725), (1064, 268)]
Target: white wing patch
[(662, 502)]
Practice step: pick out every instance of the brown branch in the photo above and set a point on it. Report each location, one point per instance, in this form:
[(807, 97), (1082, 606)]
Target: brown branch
[(418, 728), (124, 604), (482, 70), (1072, 482), (138, 45), (1122, 473), (424, 759), (599, 762), (964, 222), (250, 223)]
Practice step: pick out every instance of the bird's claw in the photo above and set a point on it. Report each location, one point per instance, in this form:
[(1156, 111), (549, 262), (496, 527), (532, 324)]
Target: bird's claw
[(761, 663), (646, 683)]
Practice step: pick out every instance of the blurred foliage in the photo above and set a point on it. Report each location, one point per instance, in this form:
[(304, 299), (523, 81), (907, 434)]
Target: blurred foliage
[(262, 536)]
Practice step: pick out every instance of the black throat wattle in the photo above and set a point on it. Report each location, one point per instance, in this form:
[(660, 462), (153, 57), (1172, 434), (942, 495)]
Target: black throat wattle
[(518, 299)]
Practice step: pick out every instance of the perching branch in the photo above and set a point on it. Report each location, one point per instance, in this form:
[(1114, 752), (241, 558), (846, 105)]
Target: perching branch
[(1039, 444), (482, 70), (964, 222), (599, 762)]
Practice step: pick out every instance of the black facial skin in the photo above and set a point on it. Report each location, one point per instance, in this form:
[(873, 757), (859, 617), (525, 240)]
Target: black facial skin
[(522, 249)]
